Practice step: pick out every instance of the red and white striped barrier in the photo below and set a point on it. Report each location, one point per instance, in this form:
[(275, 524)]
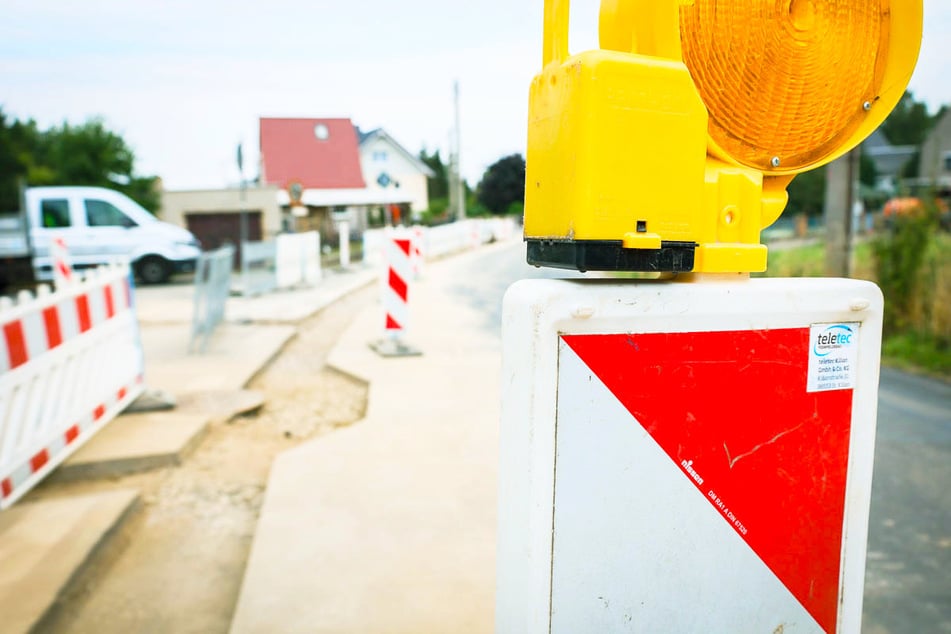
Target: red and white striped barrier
[(417, 252), (70, 361), (398, 251), (399, 271), (62, 265)]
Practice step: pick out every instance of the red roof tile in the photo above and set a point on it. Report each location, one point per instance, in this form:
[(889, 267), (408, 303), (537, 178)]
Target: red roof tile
[(295, 150)]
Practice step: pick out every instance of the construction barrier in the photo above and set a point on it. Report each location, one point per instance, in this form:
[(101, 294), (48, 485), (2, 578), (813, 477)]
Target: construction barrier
[(298, 259), (446, 239), (399, 271), (258, 267), (62, 266), (443, 240), (416, 257), (212, 287), (70, 361)]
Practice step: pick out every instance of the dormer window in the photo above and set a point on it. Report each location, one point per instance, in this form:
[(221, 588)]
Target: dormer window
[(322, 132)]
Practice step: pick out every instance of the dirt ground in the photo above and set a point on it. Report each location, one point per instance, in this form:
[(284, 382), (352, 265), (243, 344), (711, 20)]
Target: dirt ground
[(178, 565)]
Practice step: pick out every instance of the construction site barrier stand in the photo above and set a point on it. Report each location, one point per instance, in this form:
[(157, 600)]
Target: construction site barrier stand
[(686, 456), (212, 288), (70, 361)]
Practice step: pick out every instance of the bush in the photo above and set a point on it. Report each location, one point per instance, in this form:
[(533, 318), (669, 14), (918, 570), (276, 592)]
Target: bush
[(916, 283), (899, 256)]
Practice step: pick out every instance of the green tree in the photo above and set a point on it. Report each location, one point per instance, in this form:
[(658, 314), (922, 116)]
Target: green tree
[(868, 174), (438, 186), (807, 193), (85, 154), (18, 141), (909, 123), (11, 167), (502, 189)]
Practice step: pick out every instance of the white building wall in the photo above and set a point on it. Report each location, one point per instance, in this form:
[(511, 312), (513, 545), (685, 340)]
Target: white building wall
[(379, 155)]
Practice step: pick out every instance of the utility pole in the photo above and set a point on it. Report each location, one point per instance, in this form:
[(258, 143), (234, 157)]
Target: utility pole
[(244, 211), (841, 195), (457, 188)]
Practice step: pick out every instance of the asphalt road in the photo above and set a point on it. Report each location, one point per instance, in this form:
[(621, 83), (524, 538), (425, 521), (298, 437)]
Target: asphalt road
[(908, 578)]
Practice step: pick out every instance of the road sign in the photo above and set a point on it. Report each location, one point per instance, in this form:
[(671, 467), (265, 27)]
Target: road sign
[(686, 457)]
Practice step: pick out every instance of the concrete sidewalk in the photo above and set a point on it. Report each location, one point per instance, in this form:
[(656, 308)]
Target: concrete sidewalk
[(210, 384), (47, 545), (389, 525)]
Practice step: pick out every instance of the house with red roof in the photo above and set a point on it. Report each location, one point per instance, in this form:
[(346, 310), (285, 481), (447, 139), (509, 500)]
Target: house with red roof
[(327, 170), (316, 153)]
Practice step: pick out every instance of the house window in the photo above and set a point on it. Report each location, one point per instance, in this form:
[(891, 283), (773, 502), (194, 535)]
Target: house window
[(322, 132), (379, 156)]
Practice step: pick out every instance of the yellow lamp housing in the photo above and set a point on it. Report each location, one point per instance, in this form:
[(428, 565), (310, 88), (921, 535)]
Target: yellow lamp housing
[(670, 148)]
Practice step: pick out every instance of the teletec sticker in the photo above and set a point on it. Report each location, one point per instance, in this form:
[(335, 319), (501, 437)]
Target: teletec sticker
[(832, 356)]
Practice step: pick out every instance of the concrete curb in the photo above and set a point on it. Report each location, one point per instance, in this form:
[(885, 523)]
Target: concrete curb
[(39, 571), (135, 443), (143, 442)]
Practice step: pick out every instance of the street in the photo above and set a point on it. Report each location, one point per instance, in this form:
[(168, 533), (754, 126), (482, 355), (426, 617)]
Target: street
[(908, 588)]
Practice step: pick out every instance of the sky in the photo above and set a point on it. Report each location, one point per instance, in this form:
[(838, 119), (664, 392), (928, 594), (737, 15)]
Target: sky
[(185, 81)]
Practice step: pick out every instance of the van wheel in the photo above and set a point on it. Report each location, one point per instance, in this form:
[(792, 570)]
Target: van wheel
[(153, 269)]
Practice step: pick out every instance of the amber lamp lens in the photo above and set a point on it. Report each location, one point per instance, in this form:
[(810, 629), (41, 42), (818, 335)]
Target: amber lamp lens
[(785, 82)]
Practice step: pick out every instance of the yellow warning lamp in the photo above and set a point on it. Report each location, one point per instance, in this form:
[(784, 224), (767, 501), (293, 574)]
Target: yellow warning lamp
[(670, 148)]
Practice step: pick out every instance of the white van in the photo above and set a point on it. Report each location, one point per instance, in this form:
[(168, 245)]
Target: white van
[(100, 226)]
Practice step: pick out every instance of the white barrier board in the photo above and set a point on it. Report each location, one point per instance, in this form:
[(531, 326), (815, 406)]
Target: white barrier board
[(70, 361), (686, 457)]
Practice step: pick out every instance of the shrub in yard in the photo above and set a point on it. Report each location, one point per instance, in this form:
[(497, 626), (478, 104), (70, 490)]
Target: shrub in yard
[(899, 256)]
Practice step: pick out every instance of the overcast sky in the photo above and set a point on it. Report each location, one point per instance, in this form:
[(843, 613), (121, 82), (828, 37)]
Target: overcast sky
[(185, 80)]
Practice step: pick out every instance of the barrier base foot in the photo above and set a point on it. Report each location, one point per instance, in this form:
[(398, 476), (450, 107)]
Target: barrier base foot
[(394, 348)]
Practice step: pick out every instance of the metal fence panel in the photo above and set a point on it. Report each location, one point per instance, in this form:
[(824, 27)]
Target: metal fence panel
[(258, 267), (212, 286)]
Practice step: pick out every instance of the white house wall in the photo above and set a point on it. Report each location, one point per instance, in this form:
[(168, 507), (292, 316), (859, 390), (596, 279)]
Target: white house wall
[(379, 155)]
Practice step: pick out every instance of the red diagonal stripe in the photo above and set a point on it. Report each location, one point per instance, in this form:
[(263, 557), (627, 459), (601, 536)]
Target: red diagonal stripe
[(16, 343), (99, 412), (65, 272), (391, 324), (127, 289), (82, 309), (403, 244), (776, 458), (110, 306), (398, 285), (6, 487), (54, 336), (40, 459), (72, 433), (122, 393)]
